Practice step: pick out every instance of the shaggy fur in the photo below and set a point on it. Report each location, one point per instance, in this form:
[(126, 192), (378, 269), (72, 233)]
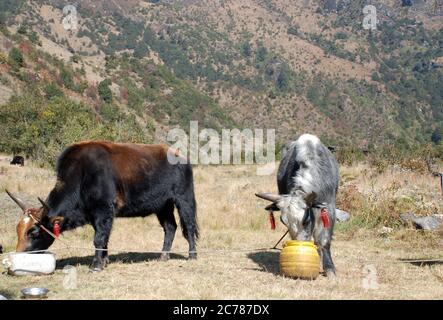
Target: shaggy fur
[(308, 179), (98, 181)]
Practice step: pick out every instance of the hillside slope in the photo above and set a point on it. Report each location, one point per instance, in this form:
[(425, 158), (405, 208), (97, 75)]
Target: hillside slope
[(304, 66)]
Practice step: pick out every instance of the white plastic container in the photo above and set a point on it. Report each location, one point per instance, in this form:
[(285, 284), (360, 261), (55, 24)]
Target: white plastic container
[(25, 264)]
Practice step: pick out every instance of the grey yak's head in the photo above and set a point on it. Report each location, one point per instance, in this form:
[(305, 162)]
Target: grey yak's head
[(294, 208)]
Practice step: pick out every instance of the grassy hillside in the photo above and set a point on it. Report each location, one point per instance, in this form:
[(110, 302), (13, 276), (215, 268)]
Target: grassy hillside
[(52, 98), (267, 64)]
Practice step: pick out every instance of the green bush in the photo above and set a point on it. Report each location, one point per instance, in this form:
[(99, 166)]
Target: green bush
[(293, 30), (34, 38), (262, 53), (110, 112), (104, 91), (3, 19), (10, 8), (246, 49), (375, 76), (41, 129), (67, 78), (341, 35), (16, 59), (52, 90), (22, 30)]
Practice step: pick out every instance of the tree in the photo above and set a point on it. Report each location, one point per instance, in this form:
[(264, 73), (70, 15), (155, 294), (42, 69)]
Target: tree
[(34, 38), (293, 30), (246, 49), (22, 30), (436, 136), (3, 19), (66, 78), (262, 52), (141, 51), (375, 76), (52, 90), (104, 91), (16, 58)]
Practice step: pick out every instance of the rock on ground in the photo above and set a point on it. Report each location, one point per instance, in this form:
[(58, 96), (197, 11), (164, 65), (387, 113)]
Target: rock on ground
[(426, 223), (341, 215)]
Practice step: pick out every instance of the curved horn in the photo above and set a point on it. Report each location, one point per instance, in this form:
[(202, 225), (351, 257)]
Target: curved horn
[(269, 196), (44, 204), (19, 202)]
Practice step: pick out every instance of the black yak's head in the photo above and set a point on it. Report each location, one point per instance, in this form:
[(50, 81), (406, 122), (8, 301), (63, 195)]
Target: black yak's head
[(33, 227)]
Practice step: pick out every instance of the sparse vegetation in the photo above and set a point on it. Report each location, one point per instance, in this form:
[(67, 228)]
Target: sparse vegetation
[(39, 128), (259, 64), (200, 66), (216, 61), (52, 90), (16, 59), (243, 225), (104, 91)]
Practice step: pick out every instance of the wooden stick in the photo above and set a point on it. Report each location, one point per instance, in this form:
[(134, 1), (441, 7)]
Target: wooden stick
[(275, 247)]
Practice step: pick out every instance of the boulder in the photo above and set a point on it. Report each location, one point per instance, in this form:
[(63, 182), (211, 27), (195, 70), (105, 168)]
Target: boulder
[(341, 215), (426, 223)]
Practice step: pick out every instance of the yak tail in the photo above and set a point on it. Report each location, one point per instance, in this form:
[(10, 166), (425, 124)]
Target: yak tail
[(187, 211)]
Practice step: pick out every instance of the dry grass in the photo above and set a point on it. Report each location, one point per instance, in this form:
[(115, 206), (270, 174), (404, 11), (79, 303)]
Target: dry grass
[(377, 199), (230, 218)]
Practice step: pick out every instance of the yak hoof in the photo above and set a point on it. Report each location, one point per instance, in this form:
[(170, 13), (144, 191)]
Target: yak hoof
[(164, 257), (192, 256), (95, 269), (98, 266), (330, 273)]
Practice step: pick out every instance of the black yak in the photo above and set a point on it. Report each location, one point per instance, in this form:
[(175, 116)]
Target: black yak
[(98, 181)]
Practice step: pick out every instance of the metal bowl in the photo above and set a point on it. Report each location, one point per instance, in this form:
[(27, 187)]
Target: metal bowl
[(35, 293)]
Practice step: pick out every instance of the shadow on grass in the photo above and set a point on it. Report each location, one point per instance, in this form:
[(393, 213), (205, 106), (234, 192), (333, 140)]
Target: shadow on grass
[(267, 261), (423, 262), (129, 257)]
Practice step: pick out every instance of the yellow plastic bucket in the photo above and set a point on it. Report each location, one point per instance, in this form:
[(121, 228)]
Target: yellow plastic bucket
[(300, 259)]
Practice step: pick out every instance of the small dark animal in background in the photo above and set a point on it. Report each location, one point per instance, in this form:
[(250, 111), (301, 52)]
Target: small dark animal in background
[(18, 160), (1, 249)]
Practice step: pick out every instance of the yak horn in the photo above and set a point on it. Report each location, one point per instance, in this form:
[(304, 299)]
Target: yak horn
[(269, 196), (44, 204), (19, 202)]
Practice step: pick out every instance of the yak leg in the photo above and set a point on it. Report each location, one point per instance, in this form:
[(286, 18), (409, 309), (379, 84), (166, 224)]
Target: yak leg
[(102, 223), (323, 241), (167, 221), (328, 264), (323, 238)]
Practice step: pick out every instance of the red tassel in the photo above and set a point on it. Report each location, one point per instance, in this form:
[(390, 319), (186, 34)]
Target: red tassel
[(56, 229), (272, 220), (324, 217)]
